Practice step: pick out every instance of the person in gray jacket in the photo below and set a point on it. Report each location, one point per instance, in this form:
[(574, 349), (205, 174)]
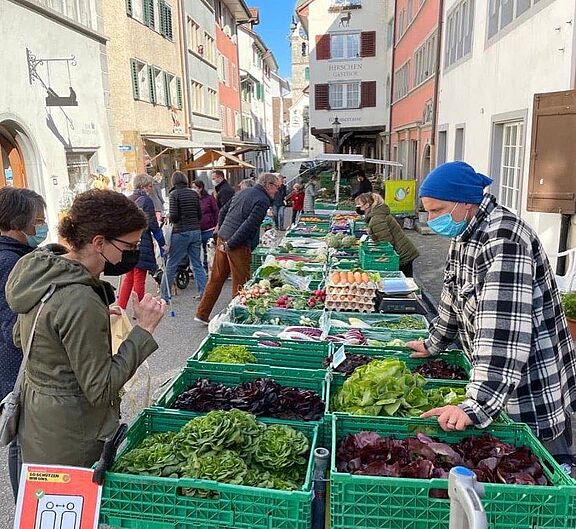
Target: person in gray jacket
[(239, 222), (157, 196)]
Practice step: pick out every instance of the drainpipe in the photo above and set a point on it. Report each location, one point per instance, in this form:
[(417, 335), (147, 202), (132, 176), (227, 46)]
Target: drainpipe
[(392, 84), (187, 106), (437, 83)]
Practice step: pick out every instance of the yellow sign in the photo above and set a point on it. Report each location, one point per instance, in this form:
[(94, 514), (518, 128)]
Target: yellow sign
[(401, 196), (48, 477)]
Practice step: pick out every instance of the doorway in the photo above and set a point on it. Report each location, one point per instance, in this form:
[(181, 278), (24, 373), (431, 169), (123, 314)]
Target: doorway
[(12, 167)]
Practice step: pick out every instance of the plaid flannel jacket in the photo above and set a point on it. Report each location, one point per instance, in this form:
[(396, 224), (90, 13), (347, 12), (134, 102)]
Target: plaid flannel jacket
[(500, 297)]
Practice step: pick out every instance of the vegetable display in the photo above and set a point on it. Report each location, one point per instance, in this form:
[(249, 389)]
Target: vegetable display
[(403, 322), (262, 397), (354, 290), (231, 354), (493, 460), (224, 446), (388, 388), (339, 240)]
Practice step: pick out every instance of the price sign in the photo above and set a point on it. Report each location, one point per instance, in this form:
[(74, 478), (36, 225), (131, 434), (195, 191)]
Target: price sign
[(338, 357)]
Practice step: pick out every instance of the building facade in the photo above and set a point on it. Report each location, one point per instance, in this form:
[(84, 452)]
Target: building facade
[(414, 31), (349, 66), (146, 88), (54, 114), (486, 97), (201, 67)]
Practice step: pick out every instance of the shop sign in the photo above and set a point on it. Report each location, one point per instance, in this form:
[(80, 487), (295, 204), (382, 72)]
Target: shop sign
[(401, 196), (9, 176), (125, 148), (345, 70)]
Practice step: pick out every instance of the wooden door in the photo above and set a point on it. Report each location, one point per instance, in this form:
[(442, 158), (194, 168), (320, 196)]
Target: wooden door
[(11, 164)]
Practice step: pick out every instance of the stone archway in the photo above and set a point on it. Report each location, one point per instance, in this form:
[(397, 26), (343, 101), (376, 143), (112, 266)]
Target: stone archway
[(426, 161)]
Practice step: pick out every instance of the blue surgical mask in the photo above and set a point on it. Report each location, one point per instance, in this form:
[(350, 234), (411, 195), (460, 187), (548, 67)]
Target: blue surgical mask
[(446, 226), (40, 235)]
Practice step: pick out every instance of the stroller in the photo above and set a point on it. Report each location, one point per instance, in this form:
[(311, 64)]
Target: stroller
[(183, 275)]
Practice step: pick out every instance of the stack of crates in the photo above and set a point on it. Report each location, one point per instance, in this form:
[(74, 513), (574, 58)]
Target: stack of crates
[(378, 256)]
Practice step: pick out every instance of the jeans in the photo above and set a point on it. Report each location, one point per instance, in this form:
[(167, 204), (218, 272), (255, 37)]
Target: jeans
[(135, 280), (206, 236), (279, 216), (235, 262), (14, 465), (408, 269), (295, 214), (188, 243)]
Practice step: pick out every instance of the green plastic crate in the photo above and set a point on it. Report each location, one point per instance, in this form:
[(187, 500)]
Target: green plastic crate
[(384, 336), (371, 319), (379, 261), (286, 353), (315, 380), (369, 502), (289, 317), (148, 502), (241, 329), (345, 263)]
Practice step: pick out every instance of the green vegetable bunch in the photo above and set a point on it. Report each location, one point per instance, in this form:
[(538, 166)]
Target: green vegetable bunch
[(280, 446), (388, 388), (569, 304), (402, 323), (231, 354)]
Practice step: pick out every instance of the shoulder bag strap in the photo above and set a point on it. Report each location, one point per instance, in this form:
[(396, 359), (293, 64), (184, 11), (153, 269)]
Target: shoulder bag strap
[(45, 298)]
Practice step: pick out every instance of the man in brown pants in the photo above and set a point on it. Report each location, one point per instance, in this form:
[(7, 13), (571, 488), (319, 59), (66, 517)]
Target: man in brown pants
[(239, 223)]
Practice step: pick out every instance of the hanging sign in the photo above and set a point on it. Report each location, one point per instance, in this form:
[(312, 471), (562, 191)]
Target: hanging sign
[(401, 196), (56, 497)]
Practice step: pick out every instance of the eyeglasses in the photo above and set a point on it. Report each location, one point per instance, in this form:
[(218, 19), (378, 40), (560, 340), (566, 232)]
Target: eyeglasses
[(130, 245)]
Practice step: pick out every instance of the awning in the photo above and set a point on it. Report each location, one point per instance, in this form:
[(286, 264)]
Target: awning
[(215, 159), (172, 143), (251, 148)]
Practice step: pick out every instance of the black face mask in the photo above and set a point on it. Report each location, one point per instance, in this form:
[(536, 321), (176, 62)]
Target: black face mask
[(128, 262), (359, 210)]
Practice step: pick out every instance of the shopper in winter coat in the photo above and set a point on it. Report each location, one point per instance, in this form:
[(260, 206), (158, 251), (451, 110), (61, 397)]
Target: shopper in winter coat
[(364, 185), (279, 205), (223, 190), (239, 222), (22, 228), (383, 227), (311, 191), (157, 196), (186, 216), (501, 300), (296, 198), (135, 280), (70, 403), (209, 221)]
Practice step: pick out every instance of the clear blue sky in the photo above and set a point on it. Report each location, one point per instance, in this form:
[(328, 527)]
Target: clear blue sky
[(274, 27)]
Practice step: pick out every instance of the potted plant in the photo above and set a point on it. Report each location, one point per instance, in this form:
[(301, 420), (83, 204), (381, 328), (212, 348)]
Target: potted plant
[(569, 304)]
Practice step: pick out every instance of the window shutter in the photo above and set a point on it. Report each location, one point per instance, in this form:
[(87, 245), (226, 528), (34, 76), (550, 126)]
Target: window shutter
[(135, 86), (368, 94), (167, 89), (129, 7), (168, 21), (322, 92), (149, 13), (152, 83), (322, 47), (368, 44), (179, 92)]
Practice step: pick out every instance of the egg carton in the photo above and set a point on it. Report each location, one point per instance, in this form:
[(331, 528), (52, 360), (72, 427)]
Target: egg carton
[(353, 288), (341, 306)]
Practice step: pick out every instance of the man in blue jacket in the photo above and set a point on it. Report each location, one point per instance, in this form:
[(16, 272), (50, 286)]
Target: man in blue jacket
[(239, 222)]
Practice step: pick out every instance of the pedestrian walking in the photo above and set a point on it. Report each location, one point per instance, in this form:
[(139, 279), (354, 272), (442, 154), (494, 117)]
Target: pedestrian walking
[(239, 223), (311, 191), (296, 199), (185, 215), (501, 300), (364, 185), (279, 205), (157, 196), (69, 394), (223, 190), (22, 228), (383, 227), (209, 221), (135, 280)]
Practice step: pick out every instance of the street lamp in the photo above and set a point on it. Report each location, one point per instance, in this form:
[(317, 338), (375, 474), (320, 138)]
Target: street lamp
[(336, 135)]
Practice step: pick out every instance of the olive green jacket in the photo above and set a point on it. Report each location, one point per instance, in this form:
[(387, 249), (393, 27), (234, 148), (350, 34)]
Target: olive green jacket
[(383, 227), (70, 395)]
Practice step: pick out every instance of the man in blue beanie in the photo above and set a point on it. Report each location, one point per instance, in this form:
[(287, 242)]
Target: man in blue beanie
[(501, 300)]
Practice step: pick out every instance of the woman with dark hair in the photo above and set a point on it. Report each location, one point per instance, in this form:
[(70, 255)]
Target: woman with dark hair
[(364, 185), (22, 227), (69, 395), (135, 280), (185, 216), (209, 221)]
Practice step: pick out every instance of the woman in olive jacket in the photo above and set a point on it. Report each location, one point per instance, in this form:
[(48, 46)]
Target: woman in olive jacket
[(383, 227)]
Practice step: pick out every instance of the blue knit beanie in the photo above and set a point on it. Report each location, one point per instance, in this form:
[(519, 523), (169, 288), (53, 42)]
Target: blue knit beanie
[(455, 182)]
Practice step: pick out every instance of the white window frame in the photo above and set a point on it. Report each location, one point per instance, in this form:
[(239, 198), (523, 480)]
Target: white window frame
[(197, 94), (348, 52), (495, 9), (459, 33), (350, 95), (425, 60), (143, 82), (402, 81), (511, 165), (159, 82)]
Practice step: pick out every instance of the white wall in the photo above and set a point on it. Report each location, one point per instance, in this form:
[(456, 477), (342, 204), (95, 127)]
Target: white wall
[(85, 126), (498, 81)]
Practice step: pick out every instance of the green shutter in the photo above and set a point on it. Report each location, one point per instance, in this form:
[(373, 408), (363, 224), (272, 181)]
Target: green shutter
[(152, 83), (167, 89), (149, 13), (129, 7), (168, 21), (179, 92), (135, 85)]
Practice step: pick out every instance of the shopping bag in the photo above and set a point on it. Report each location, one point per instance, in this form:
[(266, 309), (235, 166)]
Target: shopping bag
[(136, 393), (167, 228)]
